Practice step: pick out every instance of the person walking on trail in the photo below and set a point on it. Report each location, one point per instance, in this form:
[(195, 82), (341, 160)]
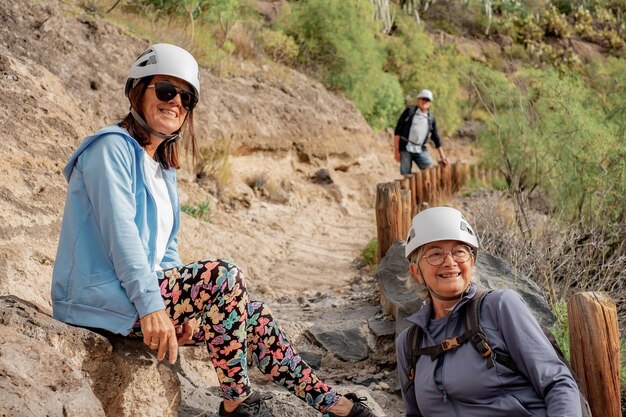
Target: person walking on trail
[(415, 126), (118, 267), (448, 376)]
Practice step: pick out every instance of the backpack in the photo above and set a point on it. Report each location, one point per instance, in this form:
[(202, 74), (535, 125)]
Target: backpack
[(477, 337), (408, 120)]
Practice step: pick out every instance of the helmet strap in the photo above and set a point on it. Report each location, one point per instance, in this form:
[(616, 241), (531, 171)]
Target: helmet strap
[(168, 138), (441, 297)]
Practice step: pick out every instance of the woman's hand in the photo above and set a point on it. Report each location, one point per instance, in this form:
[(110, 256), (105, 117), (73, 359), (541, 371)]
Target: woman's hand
[(159, 334), (185, 331)]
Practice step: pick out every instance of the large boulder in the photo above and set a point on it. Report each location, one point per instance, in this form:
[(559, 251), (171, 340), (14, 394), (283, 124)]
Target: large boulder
[(50, 368), (489, 272)]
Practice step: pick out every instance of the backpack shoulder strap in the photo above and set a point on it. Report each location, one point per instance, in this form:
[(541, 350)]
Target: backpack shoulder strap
[(472, 322), (409, 116), (479, 340), (412, 341)]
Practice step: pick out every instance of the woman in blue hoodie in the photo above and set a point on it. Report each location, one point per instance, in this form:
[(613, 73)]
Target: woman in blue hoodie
[(451, 377), (117, 266)]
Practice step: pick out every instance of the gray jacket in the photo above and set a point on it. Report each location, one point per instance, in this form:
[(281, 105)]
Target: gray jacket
[(459, 383)]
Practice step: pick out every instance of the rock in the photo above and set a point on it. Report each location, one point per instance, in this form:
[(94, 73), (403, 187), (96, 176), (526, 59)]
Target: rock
[(312, 359), (56, 369), (470, 129), (345, 343), (496, 273), (489, 272), (381, 328), (37, 380), (394, 297), (365, 380), (322, 176), (42, 363)]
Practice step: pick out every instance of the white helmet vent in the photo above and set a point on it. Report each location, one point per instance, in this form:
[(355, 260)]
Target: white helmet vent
[(150, 61), (465, 227)]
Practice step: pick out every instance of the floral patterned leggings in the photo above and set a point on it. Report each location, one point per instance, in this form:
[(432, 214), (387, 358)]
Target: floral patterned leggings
[(214, 292)]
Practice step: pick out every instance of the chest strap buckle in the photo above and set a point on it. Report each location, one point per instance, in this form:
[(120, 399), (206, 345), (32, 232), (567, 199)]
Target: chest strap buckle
[(450, 344)]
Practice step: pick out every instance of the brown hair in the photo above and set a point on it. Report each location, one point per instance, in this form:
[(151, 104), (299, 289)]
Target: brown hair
[(168, 151)]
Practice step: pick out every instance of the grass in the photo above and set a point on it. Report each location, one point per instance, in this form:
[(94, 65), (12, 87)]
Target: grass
[(201, 210), (370, 254)]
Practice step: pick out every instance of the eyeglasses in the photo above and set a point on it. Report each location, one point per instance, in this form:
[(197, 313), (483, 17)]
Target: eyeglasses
[(436, 256), (167, 91)]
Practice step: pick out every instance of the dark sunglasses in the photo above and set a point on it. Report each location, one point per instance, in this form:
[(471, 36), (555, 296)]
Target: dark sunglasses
[(167, 91)]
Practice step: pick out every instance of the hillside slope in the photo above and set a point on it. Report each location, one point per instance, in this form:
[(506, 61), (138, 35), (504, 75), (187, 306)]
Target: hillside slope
[(63, 72)]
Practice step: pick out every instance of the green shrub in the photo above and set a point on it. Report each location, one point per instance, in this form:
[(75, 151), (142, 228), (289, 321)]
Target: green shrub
[(583, 25), (555, 23), (388, 99), (201, 210), (278, 46), (554, 134), (560, 330), (370, 253), (214, 161), (338, 43)]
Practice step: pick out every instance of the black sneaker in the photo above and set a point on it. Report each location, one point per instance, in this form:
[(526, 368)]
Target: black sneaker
[(359, 409), (252, 406)]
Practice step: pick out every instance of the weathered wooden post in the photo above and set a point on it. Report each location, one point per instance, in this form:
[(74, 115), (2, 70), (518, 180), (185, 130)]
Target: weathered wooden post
[(446, 181), (426, 187), (412, 180), (594, 350), (457, 176), (464, 170), (404, 216), (387, 213), (436, 182), (405, 199), (419, 191)]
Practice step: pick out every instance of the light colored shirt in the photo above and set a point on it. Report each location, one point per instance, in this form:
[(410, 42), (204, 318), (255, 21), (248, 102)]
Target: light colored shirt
[(165, 215), (419, 132)]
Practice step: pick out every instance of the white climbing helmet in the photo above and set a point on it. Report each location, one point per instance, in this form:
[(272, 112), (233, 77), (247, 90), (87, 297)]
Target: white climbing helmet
[(427, 94), (439, 223), (165, 59)]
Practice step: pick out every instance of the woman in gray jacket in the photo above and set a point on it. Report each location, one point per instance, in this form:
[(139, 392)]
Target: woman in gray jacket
[(450, 377)]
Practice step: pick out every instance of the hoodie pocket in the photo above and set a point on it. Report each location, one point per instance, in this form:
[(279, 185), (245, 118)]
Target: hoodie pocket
[(100, 278), (517, 406)]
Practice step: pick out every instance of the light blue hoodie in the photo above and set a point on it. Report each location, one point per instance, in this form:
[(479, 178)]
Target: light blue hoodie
[(103, 275)]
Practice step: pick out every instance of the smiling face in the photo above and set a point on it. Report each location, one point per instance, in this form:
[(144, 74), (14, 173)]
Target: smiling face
[(423, 104), (450, 278), (164, 116)]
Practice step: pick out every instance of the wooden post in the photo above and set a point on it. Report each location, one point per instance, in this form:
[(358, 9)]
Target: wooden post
[(405, 185), (426, 187), (404, 182), (419, 191), (473, 172), (446, 181), (594, 350), (457, 176), (387, 212), (405, 199), (436, 182), (464, 175), (412, 180)]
